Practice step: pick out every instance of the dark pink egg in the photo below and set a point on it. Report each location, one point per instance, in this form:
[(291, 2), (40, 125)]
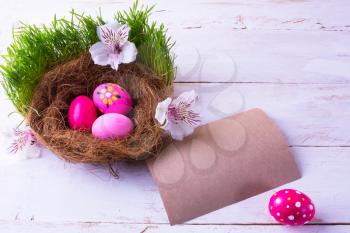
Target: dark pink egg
[(81, 113), (291, 207)]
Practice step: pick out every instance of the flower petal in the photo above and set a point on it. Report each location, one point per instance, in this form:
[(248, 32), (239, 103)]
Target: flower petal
[(162, 112), (113, 34), (129, 52), (18, 144), (107, 28), (100, 54), (184, 109), (114, 60), (114, 25), (115, 63), (123, 34), (98, 47), (188, 97), (100, 30), (179, 131), (30, 151)]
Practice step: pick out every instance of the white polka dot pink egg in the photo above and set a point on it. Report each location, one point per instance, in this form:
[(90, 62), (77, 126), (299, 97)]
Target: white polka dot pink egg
[(291, 207)]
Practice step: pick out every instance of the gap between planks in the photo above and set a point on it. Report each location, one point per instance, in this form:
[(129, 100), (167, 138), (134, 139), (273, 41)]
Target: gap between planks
[(165, 223), (320, 146), (256, 82)]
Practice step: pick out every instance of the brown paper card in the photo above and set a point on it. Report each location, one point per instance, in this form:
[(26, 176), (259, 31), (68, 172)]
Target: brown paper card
[(222, 163)]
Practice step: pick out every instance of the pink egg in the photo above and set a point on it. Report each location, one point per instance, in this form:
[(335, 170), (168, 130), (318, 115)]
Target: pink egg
[(112, 98), (112, 126), (291, 207), (81, 113)]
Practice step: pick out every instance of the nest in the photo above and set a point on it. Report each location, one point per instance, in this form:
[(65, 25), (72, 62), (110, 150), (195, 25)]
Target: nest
[(57, 89)]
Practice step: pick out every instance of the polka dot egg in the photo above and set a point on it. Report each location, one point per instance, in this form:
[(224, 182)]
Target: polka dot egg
[(112, 98), (291, 207)]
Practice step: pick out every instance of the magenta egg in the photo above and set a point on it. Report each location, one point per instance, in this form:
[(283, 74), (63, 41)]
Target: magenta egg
[(112, 126), (112, 98), (81, 113), (291, 207)]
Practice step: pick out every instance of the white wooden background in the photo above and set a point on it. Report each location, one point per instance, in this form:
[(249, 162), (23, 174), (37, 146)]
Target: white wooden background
[(288, 57)]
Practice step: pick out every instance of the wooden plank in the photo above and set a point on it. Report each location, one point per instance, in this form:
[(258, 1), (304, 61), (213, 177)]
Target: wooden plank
[(211, 47), (258, 56), (49, 190), (250, 15), (25, 227), (233, 14), (259, 41), (207, 55), (310, 115)]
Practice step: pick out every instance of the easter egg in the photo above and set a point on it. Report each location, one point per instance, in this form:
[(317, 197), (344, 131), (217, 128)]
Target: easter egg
[(112, 126), (112, 98), (81, 113), (291, 207)]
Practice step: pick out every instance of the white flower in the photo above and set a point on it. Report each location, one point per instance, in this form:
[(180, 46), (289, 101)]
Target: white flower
[(114, 47), (19, 145), (178, 116)]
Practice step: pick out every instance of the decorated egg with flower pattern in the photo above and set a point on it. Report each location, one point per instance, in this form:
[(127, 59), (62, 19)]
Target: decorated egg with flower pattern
[(291, 207), (112, 98)]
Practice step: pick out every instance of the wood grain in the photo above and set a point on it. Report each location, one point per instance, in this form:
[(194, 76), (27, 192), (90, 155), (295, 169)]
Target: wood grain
[(271, 47), (289, 57), (224, 55), (47, 190), (24, 227), (310, 115)]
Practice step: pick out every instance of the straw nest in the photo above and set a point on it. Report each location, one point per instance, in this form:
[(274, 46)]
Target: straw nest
[(58, 87)]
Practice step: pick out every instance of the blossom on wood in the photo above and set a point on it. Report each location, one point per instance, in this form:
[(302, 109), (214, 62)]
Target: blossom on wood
[(179, 116)]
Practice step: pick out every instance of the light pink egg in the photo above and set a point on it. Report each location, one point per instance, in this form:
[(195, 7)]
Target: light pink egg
[(112, 98), (112, 126), (81, 113), (291, 207)]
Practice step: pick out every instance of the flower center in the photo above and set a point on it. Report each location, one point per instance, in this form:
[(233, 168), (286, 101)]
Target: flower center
[(182, 113), (117, 48), (115, 39), (108, 94)]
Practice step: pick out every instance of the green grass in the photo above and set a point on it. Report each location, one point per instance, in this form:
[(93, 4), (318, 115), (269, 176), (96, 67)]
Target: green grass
[(151, 41), (35, 50)]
